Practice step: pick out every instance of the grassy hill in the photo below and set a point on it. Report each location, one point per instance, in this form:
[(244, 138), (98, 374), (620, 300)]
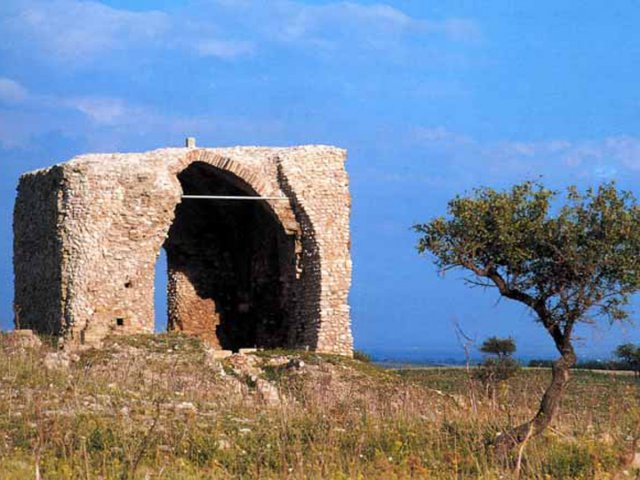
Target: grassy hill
[(163, 406)]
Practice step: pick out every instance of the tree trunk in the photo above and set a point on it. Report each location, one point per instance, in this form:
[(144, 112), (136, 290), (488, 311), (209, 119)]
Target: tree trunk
[(549, 404)]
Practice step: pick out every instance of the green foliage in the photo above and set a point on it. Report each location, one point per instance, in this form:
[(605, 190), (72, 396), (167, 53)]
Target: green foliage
[(361, 356), (576, 261), (100, 439), (494, 371), (499, 367), (502, 347), (274, 373), (568, 263), (570, 461), (629, 354), (587, 364)]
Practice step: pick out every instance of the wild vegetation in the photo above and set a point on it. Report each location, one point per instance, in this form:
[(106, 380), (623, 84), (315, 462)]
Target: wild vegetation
[(629, 355), (626, 358), (162, 407), (498, 365), (567, 263)]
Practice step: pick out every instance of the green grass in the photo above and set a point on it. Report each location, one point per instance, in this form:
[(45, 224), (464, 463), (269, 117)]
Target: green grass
[(153, 407)]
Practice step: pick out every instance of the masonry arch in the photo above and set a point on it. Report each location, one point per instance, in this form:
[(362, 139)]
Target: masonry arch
[(88, 233), (231, 263)]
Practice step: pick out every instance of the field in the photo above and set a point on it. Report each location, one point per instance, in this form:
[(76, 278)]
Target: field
[(150, 407)]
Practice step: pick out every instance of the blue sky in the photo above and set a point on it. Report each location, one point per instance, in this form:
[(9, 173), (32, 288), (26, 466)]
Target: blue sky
[(430, 98)]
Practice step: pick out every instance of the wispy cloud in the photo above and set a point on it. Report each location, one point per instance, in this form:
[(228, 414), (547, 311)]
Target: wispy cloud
[(71, 35), (476, 161), (224, 49), (111, 123), (98, 109), (626, 149), (102, 110), (440, 135), (345, 26), (18, 128), (12, 92), (309, 22), (368, 22), (74, 31), (461, 29), (82, 33)]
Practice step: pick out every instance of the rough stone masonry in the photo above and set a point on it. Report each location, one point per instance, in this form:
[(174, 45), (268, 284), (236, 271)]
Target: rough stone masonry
[(242, 273)]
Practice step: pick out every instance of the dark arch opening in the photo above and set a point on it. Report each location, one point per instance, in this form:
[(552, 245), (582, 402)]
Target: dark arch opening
[(231, 266)]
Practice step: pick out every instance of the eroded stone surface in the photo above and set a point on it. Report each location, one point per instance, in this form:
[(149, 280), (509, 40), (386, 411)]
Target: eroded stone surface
[(265, 274)]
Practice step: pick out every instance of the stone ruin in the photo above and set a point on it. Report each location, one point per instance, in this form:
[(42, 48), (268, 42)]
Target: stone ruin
[(265, 272)]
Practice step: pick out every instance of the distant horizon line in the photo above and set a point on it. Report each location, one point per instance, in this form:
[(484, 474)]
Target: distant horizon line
[(450, 357)]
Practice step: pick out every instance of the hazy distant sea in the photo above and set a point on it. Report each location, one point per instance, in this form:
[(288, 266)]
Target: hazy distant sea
[(455, 357)]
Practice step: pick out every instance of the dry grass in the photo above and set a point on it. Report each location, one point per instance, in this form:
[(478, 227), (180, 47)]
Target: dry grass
[(158, 407)]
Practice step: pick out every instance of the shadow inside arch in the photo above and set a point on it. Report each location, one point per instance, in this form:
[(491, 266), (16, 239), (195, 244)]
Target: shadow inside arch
[(305, 328), (231, 265)]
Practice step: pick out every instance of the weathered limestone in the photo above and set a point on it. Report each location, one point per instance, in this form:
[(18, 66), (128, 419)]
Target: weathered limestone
[(242, 274)]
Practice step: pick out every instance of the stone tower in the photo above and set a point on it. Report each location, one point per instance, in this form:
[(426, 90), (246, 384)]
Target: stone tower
[(272, 271)]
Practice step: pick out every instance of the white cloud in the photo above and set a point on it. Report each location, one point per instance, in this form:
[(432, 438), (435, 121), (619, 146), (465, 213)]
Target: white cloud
[(12, 91), (461, 29), (626, 149), (299, 21), (309, 20), (17, 128), (76, 31), (111, 123), (349, 25), (88, 32), (102, 110), (605, 158), (440, 135), (224, 49)]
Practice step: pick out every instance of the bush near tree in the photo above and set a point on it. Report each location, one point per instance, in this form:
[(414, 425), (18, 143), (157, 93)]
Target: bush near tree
[(501, 347), (629, 355), (498, 366), (568, 263)]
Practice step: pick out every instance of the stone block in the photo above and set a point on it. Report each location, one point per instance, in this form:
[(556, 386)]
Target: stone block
[(220, 354)]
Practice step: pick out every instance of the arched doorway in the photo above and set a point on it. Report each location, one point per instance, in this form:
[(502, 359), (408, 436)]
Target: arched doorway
[(231, 266)]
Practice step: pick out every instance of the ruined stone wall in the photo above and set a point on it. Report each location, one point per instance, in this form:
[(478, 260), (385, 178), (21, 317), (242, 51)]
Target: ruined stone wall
[(117, 214), (113, 214), (320, 186), (38, 252)]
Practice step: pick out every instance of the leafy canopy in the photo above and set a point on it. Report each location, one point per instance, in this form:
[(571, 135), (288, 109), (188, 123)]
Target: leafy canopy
[(502, 366), (502, 347), (570, 262), (629, 354), (494, 370)]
